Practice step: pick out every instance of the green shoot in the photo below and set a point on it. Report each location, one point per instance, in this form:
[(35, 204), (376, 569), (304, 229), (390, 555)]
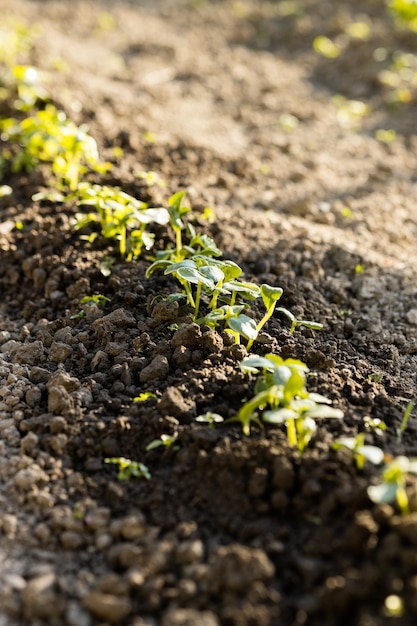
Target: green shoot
[(176, 211), (120, 216), (282, 388), (210, 418), (296, 322), (270, 296), (378, 426), (49, 136), (129, 469), (361, 452), (404, 422), (97, 299), (393, 485), (143, 397), (164, 440)]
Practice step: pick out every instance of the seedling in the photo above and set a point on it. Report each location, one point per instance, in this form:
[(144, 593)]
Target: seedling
[(210, 418), (393, 485), (404, 422), (49, 136), (270, 296), (129, 469), (295, 323), (143, 397), (378, 426), (106, 264), (164, 440), (176, 212), (282, 388), (97, 299), (361, 452), (120, 216), (189, 272)]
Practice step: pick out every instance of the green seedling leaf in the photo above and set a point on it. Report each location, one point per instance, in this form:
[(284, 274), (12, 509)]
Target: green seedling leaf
[(393, 485), (106, 265), (324, 412), (210, 418), (270, 295), (212, 273), (165, 440), (281, 397), (129, 468), (243, 325), (404, 422), (384, 493), (254, 363), (373, 454), (279, 416), (97, 299), (143, 397)]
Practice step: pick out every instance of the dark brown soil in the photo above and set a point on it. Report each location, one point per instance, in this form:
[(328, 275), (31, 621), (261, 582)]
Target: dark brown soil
[(229, 530)]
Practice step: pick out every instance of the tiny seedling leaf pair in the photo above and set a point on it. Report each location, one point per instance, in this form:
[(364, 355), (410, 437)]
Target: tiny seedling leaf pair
[(281, 397)]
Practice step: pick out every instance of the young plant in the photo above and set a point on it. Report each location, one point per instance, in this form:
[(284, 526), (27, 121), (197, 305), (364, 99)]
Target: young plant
[(120, 216), (295, 323), (97, 299), (360, 451), (270, 296), (404, 422), (375, 424), (281, 389), (145, 396), (49, 136), (129, 469), (164, 440), (176, 211), (393, 485), (210, 418)]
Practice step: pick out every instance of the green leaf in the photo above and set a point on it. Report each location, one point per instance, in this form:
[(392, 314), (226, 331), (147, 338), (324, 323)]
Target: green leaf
[(279, 416), (143, 397), (254, 363), (270, 295), (243, 325), (373, 454), (192, 275), (174, 267), (383, 493), (324, 412), (214, 274)]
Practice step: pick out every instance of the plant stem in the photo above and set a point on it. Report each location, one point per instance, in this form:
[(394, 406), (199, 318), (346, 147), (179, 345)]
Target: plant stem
[(292, 432), (178, 241), (197, 300)]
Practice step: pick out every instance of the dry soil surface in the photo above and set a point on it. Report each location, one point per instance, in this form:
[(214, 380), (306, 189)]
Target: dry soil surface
[(229, 101)]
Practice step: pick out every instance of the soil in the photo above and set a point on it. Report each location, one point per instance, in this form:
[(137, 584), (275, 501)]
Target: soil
[(229, 530)]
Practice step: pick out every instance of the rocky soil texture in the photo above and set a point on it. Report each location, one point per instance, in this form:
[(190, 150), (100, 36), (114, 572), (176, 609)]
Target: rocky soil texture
[(229, 101)]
